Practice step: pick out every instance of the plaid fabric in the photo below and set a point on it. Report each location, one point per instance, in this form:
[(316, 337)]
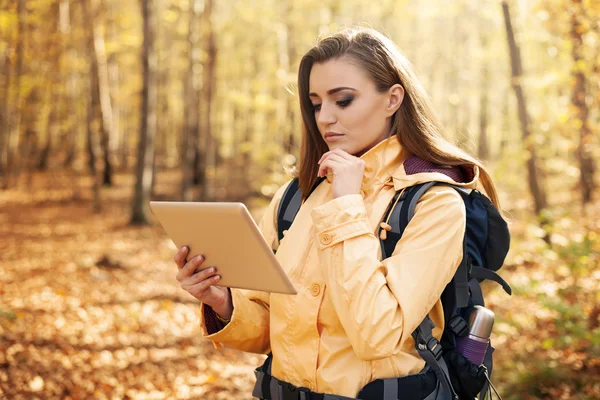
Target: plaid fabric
[(415, 165), (213, 325)]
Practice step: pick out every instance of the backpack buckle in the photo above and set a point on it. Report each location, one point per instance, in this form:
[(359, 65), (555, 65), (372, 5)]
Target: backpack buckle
[(434, 347), (291, 392), (303, 393), (459, 326)]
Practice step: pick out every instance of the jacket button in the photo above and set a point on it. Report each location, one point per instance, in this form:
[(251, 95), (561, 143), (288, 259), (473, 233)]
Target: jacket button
[(306, 384), (315, 290), (326, 238)]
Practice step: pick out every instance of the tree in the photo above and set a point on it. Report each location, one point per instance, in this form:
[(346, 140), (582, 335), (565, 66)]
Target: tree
[(288, 59), (13, 126), (145, 161), (578, 99), (537, 191), (191, 117), (483, 147), (5, 64), (100, 93), (55, 86), (208, 88)]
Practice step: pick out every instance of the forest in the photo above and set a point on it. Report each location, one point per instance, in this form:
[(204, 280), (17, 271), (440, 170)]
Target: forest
[(106, 105)]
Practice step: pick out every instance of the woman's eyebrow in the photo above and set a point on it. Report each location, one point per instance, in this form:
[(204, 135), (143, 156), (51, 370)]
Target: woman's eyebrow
[(332, 91)]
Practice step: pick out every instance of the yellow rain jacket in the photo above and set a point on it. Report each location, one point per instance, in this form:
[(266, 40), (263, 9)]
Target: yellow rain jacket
[(352, 319)]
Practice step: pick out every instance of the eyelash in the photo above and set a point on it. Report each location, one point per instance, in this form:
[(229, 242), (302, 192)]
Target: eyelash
[(342, 104)]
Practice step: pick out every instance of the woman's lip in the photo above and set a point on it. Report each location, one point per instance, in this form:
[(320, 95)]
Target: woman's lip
[(332, 137)]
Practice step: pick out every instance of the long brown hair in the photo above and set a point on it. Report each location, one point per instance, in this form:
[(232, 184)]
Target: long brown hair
[(415, 125)]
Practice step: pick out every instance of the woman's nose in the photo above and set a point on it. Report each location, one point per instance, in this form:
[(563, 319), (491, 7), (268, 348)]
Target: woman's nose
[(326, 115)]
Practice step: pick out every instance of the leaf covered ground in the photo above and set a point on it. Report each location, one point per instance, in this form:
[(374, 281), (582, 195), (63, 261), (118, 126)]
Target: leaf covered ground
[(90, 308)]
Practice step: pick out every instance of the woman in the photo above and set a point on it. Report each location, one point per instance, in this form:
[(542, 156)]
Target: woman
[(369, 129)]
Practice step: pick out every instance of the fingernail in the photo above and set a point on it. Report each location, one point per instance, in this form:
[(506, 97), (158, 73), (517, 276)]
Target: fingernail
[(212, 270)]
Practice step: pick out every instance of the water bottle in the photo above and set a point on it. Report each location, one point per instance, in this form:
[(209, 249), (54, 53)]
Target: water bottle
[(475, 344)]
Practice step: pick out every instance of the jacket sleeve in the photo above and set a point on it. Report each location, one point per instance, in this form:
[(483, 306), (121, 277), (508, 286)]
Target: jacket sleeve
[(248, 329), (379, 303)]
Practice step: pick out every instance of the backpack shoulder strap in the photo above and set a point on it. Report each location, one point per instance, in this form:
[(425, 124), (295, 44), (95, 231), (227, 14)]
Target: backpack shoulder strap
[(290, 205), (430, 350), (402, 214), (399, 213)]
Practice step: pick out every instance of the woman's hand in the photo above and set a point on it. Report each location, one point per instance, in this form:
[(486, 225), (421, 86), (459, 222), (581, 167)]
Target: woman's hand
[(202, 284), (347, 170)]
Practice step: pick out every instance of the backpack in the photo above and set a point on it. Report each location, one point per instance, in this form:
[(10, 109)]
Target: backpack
[(485, 245)]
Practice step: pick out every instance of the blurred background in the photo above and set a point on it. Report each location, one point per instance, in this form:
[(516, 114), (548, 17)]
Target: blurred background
[(106, 104)]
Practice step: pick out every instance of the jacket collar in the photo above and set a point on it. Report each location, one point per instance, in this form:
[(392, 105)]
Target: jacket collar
[(402, 179), (385, 164), (380, 162)]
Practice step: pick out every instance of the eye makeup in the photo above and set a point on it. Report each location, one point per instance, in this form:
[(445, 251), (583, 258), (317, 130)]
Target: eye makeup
[(340, 103), (345, 102)]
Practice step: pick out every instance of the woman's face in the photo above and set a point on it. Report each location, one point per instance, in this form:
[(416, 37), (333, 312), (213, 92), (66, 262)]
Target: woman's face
[(350, 113)]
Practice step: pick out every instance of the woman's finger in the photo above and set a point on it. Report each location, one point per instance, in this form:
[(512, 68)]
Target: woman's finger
[(199, 276), (190, 267), (340, 152), (180, 256), (328, 164), (336, 157), (201, 287)]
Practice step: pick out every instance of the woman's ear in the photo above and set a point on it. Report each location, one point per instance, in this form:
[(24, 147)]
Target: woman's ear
[(395, 97)]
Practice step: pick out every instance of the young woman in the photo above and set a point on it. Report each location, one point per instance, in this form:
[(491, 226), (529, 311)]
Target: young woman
[(369, 129)]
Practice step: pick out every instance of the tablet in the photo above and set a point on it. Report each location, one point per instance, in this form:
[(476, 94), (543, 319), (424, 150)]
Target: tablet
[(229, 239)]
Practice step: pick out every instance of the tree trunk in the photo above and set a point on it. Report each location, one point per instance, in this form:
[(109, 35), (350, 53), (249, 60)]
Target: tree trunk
[(143, 185), (452, 85), (125, 118), (483, 147), (164, 47), (537, 190), (91, 149), (191, 117), (101, 67), (93, 99), (72, 85), (52, 129), (5, 105), (55, 91), (208, 86), (199, 171), (14, 125), (115, 140), (73, 135), (506, 123), (99, 81), (290, 122), (578, 99)]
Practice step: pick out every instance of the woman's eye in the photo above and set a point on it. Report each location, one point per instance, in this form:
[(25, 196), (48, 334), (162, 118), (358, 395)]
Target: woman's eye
[(344, 103), (316, 107)]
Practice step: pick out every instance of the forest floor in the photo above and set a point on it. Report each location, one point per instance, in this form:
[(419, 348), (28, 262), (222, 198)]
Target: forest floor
[(90, 308)]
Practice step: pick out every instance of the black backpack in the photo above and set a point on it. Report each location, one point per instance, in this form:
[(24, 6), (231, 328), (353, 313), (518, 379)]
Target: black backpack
[(485, 246)]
